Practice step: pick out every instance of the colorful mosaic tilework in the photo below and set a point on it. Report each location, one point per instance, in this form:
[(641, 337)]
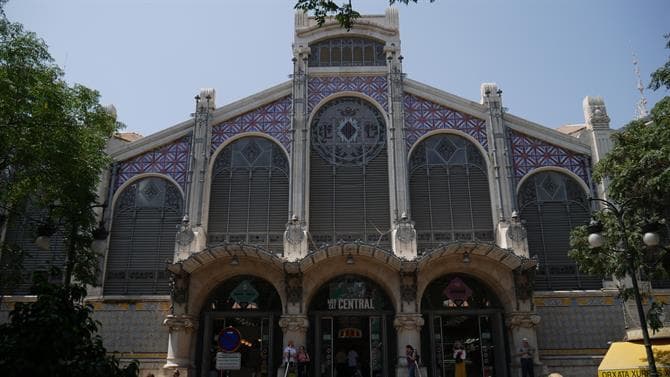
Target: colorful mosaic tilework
[(273, 119), (530, 153), (373, 86), (423, 116), (170, 159)]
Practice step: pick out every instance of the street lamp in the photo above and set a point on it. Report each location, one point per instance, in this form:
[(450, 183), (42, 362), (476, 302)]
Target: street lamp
[(651, 239)]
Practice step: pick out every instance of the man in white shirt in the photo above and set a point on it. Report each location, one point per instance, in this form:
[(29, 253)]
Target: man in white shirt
[(290, 354)]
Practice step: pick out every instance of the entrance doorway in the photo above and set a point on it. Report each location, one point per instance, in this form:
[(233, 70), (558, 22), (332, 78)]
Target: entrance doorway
[(463, 316), (352, 320), (251, 306)]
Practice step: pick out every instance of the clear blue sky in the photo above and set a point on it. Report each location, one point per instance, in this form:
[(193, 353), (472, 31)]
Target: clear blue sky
[(150, 57)]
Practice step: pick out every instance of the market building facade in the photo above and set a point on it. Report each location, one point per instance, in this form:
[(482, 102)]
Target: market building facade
[(354, 209)]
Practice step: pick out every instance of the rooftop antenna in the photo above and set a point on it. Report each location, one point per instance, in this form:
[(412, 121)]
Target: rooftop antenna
[(641, 106)]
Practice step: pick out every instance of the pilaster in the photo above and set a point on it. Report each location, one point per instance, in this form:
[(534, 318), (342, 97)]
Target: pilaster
[(500, 168), (523, 324), (295, 237), (598, 133), (181, 329), (294, 327), (403, 235), (408, 331)]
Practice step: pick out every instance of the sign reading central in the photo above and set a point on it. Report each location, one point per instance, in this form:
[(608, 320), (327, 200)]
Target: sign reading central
[(350, 293)]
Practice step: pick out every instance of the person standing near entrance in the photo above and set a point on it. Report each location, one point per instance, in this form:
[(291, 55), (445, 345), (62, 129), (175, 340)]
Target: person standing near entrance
[(303, 361), (290, 355), (410, 354), (352, 361), (459, 359), (526, 357)]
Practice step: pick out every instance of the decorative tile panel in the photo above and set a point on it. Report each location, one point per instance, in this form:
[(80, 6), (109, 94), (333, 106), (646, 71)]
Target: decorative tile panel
[(423, 116), (529, 153), (170, 159), (321, 87), (273, 119)]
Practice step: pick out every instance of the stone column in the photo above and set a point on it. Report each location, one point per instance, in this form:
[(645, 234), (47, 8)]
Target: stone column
[(523, 324), (408, 331), (598, 133), (181, 329), (294, 327), (295, 237)]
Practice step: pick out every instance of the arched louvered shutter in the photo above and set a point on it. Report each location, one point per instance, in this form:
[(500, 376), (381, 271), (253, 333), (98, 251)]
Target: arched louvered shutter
[(449, 192), (249, 195), (551, 204), (349, 193), (142, 238), (21, 234)]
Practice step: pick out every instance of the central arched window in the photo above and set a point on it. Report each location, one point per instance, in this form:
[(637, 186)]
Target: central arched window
[(344, 52), (449, 192), (551, 204), (249, 195), (349, 194)]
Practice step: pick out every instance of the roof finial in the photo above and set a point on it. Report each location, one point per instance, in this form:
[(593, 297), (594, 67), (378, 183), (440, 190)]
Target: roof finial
[(641, 106)]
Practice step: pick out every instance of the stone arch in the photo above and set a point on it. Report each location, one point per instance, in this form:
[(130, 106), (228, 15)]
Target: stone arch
[(378, 265), (212, 266), (460, 133), (138, 177)]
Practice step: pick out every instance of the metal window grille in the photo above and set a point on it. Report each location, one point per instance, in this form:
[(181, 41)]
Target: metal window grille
[(449, 192), (142, 238), (249, 196), (552, 204), (349, 197), (344, 52)]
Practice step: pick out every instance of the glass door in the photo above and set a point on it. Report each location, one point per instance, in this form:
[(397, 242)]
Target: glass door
[(376, 326), (255, 347), (325, 343)]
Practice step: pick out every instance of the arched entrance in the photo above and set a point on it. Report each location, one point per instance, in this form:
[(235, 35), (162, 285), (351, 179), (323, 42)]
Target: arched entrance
[(352, 330), (253, 307), (459, 308)]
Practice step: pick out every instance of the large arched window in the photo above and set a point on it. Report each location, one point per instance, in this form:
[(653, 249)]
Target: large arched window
[(21, 248), (349, 193), (142, 238), (449, 192), (551, 204), (349, 51), (249, 196)]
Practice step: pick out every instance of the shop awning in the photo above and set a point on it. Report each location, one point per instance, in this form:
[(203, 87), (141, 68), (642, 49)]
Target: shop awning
[(629, 359)]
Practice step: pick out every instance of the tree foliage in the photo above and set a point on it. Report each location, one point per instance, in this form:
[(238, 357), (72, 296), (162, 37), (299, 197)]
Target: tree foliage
[(56, 337), (52, 143), (52, 153), (344, 14), (637, 173), (661, 77)]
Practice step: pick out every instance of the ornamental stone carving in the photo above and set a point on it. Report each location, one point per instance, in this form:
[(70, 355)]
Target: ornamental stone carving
[(293, 286), (405, 229), (180, 323), (295, 231), (408, 322), (524, 283), (294, 323), (523, 320), (179, 282), (595, 111)]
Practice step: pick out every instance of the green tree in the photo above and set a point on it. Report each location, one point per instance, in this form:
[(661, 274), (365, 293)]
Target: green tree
[(52, 141), (637, 172), (345, 14)]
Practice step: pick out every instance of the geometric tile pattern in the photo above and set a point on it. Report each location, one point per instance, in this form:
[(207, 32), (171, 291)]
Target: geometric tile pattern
[(170, 159), (575, 327), (133, 331), (321, 87), (273, 119), (423, 116), (530, 153)]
